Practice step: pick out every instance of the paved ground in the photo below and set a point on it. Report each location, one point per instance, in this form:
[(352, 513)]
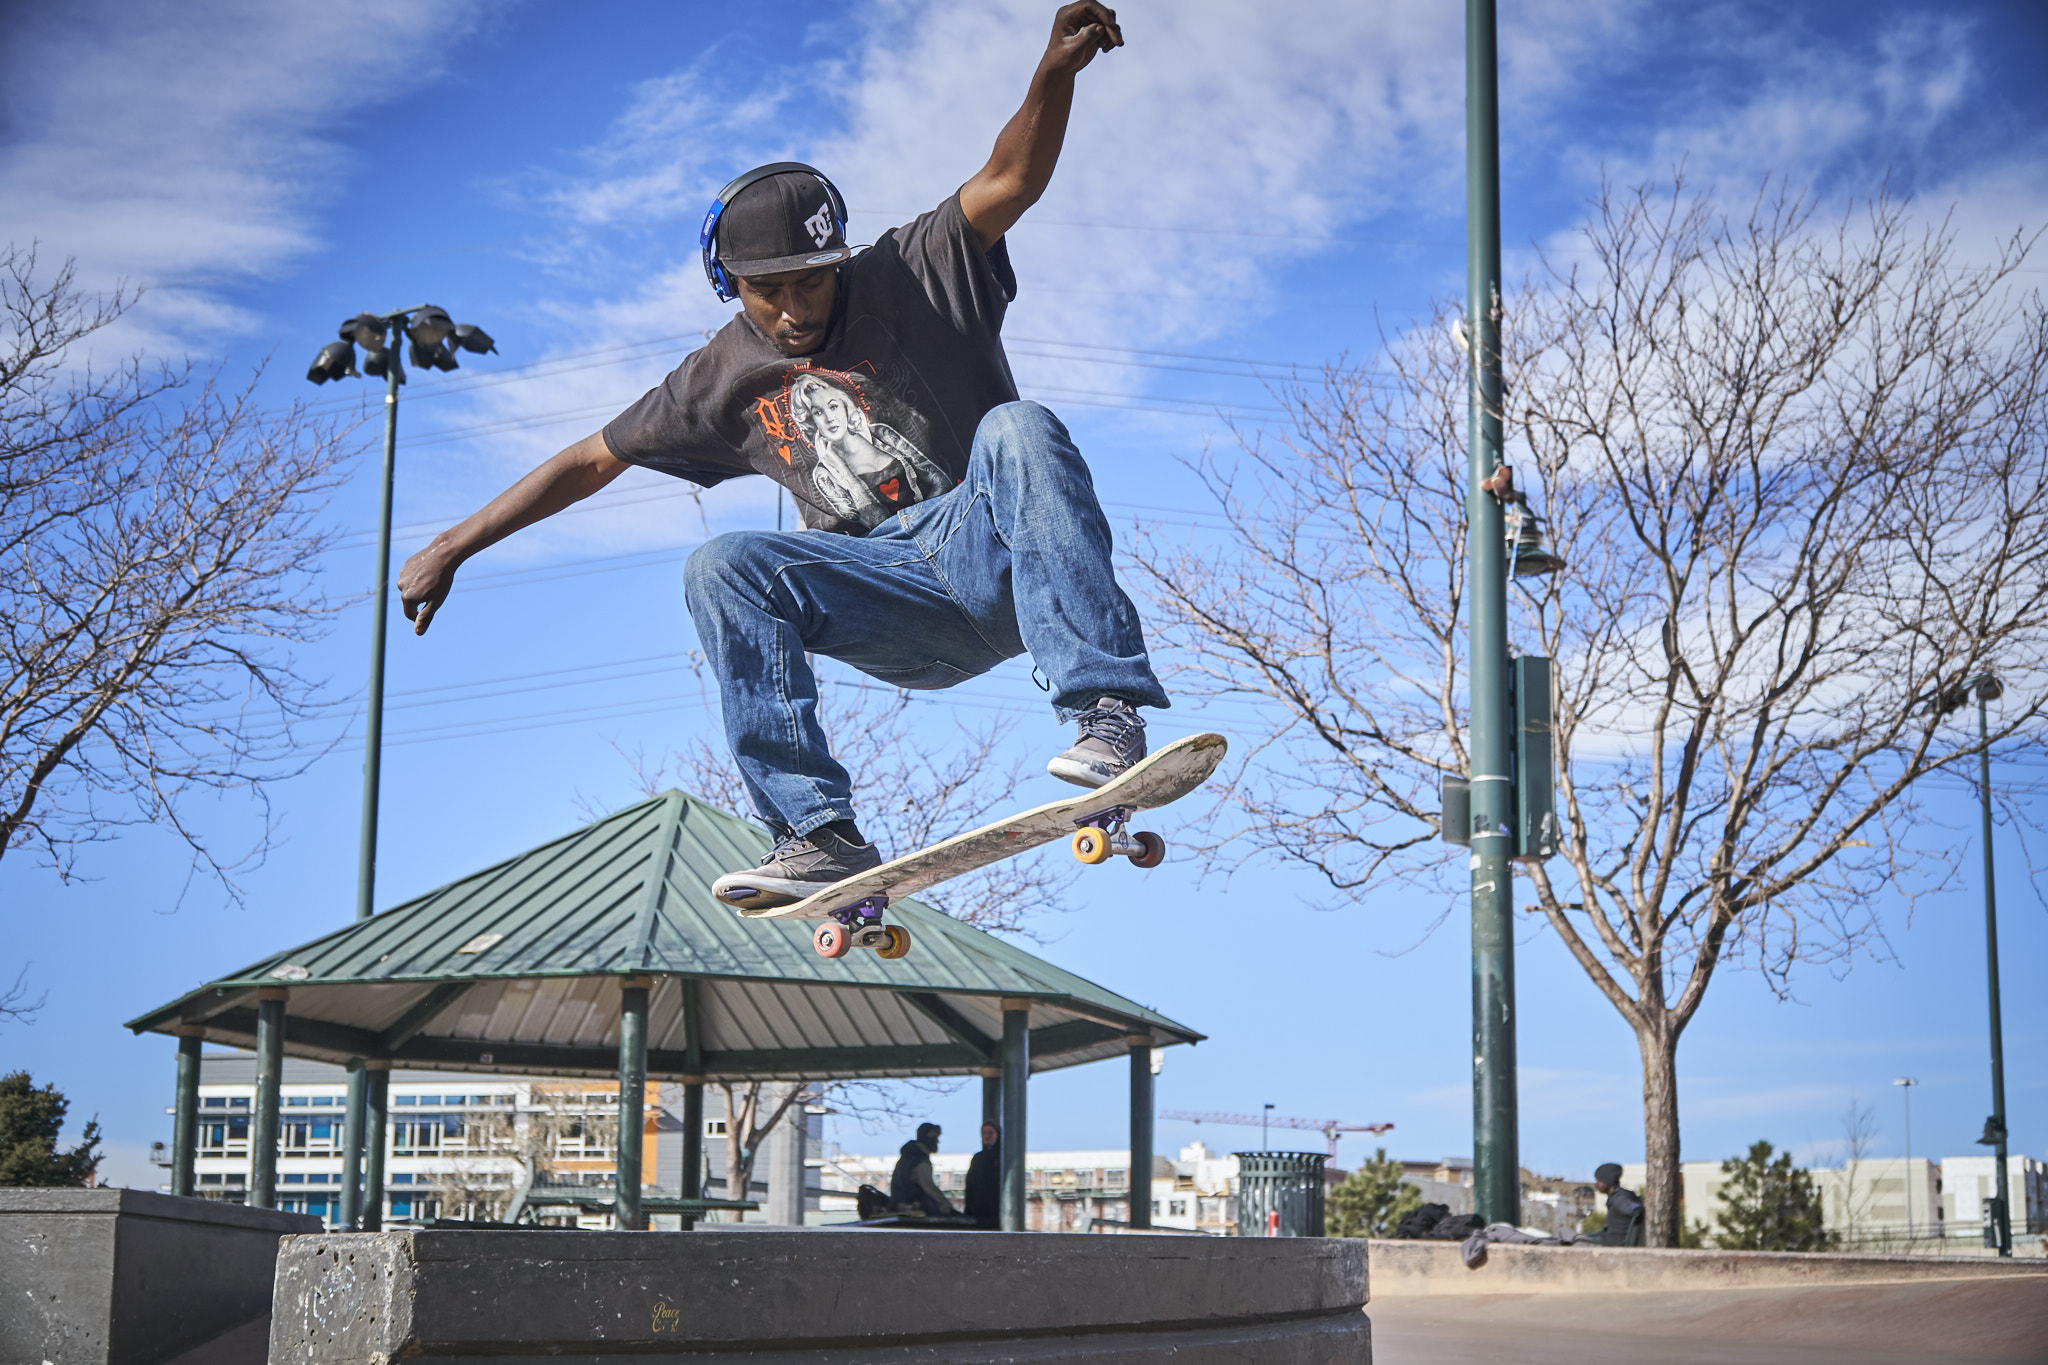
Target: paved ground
[(1874, 1324)]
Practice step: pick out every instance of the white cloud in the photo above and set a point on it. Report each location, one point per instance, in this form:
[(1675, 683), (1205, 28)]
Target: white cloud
[(180, 146), (1200, 160)]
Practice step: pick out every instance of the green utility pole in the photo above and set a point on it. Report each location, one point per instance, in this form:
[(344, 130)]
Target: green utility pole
[(373, 725), (1496, 1159), (435, 338), (1988, 689)]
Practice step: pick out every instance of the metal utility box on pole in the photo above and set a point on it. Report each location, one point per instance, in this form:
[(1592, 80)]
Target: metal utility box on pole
[(1496, 1186), (1531, 685)]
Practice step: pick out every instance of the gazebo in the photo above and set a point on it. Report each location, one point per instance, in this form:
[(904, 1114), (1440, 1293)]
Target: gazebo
[(603, 954)]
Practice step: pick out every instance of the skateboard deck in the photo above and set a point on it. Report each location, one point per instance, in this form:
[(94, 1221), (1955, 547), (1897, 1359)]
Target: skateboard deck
[(1092, 820)]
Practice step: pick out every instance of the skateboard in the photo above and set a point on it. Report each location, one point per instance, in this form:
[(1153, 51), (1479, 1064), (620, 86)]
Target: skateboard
[(1092, 821)]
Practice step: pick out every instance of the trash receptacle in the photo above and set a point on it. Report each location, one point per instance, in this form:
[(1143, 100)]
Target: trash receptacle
[(1280, 1194)]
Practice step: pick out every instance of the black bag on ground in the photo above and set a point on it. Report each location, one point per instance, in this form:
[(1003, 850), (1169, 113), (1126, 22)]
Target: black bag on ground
[(869, 1202), (1417, 1222), (1456, 1228)]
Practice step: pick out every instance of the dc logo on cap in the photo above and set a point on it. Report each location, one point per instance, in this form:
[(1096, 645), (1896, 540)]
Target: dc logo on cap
[(819, 224)]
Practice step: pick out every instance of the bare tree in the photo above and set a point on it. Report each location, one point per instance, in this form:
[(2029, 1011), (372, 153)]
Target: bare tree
[(914, 783), (158, 539), (15, 1004), (1798, 473)]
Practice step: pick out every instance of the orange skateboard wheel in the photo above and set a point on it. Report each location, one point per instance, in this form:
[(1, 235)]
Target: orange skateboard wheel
[(1091, 845), (831, 939), (898, 944)]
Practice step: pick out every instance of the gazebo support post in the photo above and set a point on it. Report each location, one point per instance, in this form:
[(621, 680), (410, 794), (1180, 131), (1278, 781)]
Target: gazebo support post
[(376, 1138), (263, 1124), (352, 1146), (1016, 1072), (693, 1144), (185, 1127), (992, 1097), (1141, 1130), (632, 1098)]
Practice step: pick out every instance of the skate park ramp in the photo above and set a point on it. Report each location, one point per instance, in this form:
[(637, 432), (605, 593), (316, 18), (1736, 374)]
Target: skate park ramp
[(1692, 1308)]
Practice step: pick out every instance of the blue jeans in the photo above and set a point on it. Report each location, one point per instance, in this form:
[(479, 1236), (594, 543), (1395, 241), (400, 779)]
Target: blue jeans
[(1015, 558)]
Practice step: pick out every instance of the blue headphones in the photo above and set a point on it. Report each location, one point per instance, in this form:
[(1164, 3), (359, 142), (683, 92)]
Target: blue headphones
[(721, 283)]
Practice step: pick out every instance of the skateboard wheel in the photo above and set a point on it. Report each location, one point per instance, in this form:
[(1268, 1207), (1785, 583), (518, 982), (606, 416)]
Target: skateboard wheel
[(831, 939), (898, 944), (1091, 845), (1151, 850)]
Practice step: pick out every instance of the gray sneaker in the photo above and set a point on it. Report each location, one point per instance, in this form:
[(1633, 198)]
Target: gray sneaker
[(1112, 740), (796, 868)]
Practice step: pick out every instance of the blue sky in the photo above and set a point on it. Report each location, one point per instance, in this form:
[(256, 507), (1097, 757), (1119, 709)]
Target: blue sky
[(1272, 190)]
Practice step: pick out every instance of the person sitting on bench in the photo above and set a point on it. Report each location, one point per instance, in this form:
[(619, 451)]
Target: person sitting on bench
[(911, 1185), (1624, 1210)]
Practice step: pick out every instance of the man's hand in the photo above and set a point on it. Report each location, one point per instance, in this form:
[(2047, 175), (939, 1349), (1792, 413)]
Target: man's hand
[(1027, 149), (1079, 31), (568, 477), (424, 582)]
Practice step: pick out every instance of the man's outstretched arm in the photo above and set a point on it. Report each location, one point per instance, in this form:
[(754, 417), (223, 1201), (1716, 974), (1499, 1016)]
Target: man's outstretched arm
[(1027, 149), (568, 477)]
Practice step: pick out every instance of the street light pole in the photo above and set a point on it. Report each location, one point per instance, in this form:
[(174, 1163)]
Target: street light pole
[(373, 725), (1989, 689), (1906, 1084), (435, 339), (1496, 1161)]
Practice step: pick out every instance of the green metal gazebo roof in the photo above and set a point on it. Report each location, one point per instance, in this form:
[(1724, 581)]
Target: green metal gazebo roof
[(517, 969)]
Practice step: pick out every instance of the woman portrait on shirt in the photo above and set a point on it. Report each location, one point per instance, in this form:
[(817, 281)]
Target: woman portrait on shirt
[(856, 458)]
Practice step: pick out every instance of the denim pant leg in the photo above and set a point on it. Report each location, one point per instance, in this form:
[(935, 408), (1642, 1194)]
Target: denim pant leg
[(1024, 547), (761, 599)]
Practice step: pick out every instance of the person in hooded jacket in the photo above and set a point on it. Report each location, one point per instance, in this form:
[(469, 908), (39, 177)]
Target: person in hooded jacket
[(985, 1179), (911, 1185)]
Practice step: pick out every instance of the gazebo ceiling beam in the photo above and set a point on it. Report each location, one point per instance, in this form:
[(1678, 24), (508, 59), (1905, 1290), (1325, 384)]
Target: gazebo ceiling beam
[(955, 1024), (1075, 1035), (420, 1015)]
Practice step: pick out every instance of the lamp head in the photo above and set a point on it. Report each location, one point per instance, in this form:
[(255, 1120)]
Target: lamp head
[(435, 356), (1989, 688), (471, 337), (337, 360), (379, 363), (429, 326), (365, 330), (1526, 550)]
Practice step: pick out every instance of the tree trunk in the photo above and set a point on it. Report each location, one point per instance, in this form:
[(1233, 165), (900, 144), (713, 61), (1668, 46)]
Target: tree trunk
[(1661, 1190)]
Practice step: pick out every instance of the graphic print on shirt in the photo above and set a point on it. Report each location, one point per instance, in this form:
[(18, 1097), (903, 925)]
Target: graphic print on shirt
[(857, 444)]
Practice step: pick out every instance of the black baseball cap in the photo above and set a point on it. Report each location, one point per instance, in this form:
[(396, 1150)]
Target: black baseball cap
[(783, 222)]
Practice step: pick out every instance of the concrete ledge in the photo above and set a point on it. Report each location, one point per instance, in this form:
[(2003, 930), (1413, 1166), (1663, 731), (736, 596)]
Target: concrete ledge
[(1409, 1268), (132, 1277), (849, 1298)]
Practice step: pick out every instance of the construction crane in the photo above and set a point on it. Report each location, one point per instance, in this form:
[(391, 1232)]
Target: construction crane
[(1329, 1128)]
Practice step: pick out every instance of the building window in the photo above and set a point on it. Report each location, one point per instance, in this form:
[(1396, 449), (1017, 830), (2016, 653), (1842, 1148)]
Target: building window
[(714, 1128), (1177, 1208)]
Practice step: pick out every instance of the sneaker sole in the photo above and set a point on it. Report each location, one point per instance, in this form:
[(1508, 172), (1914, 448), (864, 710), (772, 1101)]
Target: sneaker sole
[(752, 891), (1080, 774)]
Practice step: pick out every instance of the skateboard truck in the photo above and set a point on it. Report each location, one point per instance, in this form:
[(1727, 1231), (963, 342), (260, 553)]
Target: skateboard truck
[(1100, 835), (859, 925)]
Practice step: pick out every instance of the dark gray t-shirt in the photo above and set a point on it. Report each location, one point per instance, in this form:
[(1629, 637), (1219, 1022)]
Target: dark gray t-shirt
[(879, 417)]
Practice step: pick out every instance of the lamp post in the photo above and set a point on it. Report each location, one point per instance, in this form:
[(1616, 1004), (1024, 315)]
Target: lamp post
[(1265, 1143), (435, 340), (1906, 1084), (1496, 1157), (1987, 688)]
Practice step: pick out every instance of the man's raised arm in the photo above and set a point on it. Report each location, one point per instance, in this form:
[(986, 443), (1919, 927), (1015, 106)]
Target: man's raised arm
[(1027, 149), (568, 477)]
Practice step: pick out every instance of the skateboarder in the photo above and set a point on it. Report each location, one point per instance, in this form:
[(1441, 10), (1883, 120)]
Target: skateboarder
[(947, 526)]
